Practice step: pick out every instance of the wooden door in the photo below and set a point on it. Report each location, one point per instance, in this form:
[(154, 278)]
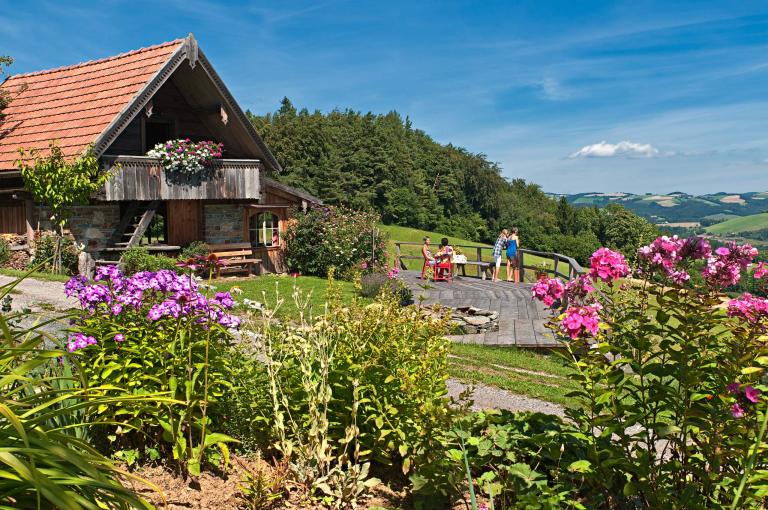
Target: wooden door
[(184, 222), (13, 219)]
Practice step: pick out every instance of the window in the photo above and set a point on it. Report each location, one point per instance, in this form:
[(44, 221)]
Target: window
[(156, 131), (264, 229)]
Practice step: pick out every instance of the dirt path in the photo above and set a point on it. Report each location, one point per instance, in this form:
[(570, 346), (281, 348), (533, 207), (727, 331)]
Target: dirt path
[(488, 397)]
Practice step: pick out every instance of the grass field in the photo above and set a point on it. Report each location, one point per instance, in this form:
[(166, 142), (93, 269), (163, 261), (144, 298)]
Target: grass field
[(49, 277), (413, 235), (520, 371), (267, 288), (740, 224)]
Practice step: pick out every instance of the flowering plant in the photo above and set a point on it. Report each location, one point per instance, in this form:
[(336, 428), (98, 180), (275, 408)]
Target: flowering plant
[(185, 156), (155, 332), (671, 372)]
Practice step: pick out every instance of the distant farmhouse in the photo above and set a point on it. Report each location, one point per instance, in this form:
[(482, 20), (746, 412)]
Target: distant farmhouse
[(123, 106)]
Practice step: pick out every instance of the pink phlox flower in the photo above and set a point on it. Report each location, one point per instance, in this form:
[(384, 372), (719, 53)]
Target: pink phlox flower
[(119, 337), (760, 271), (749, 307), (581, 321), (579, 288), (737, 411), (724, 268), (733, 388), (548, 290), (752, 394), (607, 265)]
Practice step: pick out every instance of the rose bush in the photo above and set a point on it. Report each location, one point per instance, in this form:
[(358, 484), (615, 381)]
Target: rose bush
[(672, 373), (155, 332)]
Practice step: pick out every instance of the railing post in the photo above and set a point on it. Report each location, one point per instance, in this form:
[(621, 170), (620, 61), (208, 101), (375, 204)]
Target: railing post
[(521, 266), (398, 262), (480, 273), (557, 259)]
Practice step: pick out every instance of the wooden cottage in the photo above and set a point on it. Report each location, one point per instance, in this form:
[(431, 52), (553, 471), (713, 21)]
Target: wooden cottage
[(123, 106)]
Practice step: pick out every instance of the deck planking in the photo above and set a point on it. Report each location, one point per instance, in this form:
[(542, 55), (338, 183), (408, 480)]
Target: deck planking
[(521, 320)]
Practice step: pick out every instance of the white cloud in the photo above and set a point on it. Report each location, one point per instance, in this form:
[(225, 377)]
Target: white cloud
[(553, 90), (624, 149)]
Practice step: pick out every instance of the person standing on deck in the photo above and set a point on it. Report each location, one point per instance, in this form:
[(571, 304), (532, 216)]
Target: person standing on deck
[(513, 244), (498, 249)]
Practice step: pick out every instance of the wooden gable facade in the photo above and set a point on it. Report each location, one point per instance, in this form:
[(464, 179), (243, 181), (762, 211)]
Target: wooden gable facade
[(160, 93)]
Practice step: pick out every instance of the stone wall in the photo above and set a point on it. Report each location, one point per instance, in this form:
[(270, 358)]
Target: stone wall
[(223, 223), (91, 225)]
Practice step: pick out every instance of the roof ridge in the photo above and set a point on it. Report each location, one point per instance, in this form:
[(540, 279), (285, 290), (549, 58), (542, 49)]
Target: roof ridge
[(92, 62)]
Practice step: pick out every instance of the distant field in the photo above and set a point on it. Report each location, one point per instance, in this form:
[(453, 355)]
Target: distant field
[(740, 224), (413, 235)]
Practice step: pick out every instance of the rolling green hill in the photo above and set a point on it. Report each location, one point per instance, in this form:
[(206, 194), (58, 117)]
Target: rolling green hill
[(741, 224), (679, 207), (414, 235)]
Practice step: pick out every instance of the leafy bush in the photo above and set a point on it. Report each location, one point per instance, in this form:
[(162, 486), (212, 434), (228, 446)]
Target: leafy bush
[(328, 237), (46, 461), (673, 379), (358, 384), (138, 259), (156, 333), (524, 460), (5, 253), (194, 250), (45, 248)]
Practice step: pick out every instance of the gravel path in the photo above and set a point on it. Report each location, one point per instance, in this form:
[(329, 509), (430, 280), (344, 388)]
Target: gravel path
[(37, 294), (488, 397)]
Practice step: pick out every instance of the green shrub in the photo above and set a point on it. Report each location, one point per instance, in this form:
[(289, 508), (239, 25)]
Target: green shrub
[(328, 237), (45, 247), (155, 333), (355, 385), (372, 283), (525, 460), (47, 463), (138, 258), (5, 252), (193, 250)]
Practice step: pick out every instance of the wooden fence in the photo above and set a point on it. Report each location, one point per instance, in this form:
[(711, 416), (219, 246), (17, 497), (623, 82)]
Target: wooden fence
[(560, 265)]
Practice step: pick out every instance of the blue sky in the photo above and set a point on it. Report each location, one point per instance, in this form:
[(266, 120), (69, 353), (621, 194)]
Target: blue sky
[(639, 96)]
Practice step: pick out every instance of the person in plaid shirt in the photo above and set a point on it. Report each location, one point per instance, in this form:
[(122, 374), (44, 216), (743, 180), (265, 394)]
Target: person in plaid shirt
[(498, 249)]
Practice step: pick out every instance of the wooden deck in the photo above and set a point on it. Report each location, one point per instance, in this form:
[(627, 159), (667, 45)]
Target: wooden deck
[(521, 320)]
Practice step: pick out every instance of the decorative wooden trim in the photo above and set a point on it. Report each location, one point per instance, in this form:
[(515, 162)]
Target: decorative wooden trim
[(137, 105), (271, 183)]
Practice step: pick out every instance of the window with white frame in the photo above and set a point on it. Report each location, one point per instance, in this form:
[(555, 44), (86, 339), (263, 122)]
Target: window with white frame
[(264, 229)]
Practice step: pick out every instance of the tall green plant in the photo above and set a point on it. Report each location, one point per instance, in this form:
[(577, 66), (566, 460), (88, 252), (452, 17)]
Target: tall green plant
[(60, 182), (44, 459)]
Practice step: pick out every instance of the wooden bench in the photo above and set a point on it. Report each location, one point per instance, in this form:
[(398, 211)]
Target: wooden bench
[(486, 268), (233, 258)]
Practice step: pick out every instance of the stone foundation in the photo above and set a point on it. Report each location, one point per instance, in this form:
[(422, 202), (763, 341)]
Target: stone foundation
[(91, 225), (223, 223)]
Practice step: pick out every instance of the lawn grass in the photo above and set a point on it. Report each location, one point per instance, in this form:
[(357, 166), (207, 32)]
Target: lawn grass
[(48, 277), (520, 371), (740, 224), (266, 289), (414, 235)]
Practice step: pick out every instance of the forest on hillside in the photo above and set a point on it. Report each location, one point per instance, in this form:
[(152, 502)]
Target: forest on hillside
[(380, 162)]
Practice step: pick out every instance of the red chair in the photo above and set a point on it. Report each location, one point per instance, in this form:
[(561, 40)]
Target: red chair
[(443, 270)]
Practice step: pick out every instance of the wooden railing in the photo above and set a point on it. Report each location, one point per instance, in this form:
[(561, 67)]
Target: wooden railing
[(561, 265)]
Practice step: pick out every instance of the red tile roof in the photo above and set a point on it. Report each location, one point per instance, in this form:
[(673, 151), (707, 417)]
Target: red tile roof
[(74, 105)]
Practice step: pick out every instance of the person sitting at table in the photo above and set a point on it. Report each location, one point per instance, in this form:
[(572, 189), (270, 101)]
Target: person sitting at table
[(445, 252), (429, 259)]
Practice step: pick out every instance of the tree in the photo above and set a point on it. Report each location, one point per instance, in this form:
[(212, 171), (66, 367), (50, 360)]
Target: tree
[(60, 184), (5, 98)]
